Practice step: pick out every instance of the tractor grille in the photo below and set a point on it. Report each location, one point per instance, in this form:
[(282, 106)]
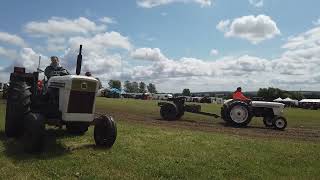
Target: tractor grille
[(81, 102)]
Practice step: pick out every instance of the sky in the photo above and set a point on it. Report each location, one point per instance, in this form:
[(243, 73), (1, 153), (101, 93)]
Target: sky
[(203, 45)]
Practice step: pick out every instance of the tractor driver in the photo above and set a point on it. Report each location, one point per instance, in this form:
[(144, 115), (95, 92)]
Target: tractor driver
[(55, 69), (238, 95)]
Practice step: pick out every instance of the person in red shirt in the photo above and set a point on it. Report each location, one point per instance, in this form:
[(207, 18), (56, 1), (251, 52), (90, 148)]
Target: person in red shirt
[(238, 95)]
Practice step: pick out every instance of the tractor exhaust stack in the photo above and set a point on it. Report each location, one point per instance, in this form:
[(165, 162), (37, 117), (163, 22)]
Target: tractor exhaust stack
[(79, 61)]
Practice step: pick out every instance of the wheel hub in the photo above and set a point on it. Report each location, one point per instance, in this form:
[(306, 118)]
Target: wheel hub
[(279, 123), (239, 114)]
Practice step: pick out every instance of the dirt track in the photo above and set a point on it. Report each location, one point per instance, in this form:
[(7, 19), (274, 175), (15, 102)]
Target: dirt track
[(305, 134)]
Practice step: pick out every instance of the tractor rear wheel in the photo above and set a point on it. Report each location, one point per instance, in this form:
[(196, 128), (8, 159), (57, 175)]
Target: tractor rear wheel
[(34, 133), (77, 128), (105, 131), (169, 112), (223, 113), (18, 104), (238, 114)]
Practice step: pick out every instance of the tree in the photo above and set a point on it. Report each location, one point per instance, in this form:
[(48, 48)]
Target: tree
[(186, 92), (135, 87), (297, 95), (142, 87), (270, 94), (152, 88), (128, 87), (99, 83), (115, 84)]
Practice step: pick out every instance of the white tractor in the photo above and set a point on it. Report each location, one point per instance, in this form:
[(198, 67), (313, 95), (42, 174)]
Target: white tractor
[(67, 100), (240, 113), (234, 112)]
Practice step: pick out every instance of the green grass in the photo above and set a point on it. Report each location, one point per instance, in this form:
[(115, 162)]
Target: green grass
[(148, 152)]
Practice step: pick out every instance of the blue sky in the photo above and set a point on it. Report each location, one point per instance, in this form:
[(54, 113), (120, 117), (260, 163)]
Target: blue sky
[(168, 42)]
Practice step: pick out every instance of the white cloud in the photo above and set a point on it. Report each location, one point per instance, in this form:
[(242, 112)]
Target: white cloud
[(108, 20), (223, 25), (256, 3), (252, 28), (243, 65), (100, 63), (148, 54), (188, 67), (168, 69), (27, 58), (12, 39), (8, 53), (294, 69), (154, 3), (102, 41), (98, 55), (55, 44), (57, 26), (102, 51), (316, 22), (307, 39), (214, 52), (62, 33), (300, 60)]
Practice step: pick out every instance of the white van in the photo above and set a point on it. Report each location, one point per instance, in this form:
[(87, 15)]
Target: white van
[(162, 96)]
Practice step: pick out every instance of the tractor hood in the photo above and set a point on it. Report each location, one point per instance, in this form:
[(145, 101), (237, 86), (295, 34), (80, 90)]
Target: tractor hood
[(267, 104), (74, 82)]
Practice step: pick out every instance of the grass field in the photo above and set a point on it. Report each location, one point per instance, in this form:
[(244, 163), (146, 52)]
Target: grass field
[(146, 151)]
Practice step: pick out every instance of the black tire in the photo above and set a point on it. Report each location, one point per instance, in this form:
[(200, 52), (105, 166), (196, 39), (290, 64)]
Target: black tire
[(235, 117), (179, 115), (34, 133), (105, 131), (77, 128), (223, 113), (18, 105), (279, 123), (268, 121), (169, 112)]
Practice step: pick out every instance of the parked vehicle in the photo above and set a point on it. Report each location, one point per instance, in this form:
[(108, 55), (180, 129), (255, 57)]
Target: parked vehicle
[(162, 96)]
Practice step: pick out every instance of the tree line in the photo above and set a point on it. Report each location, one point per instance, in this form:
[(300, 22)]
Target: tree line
[(133, 87), (270, 94)]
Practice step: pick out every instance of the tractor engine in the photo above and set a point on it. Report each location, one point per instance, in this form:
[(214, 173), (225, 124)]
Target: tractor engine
[(74, 95)]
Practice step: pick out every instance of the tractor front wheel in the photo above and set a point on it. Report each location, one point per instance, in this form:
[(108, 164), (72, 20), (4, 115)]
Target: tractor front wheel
[(105, 131), (279, 123)]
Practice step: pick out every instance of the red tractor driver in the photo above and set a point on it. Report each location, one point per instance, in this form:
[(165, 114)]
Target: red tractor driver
[(238, 95)]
